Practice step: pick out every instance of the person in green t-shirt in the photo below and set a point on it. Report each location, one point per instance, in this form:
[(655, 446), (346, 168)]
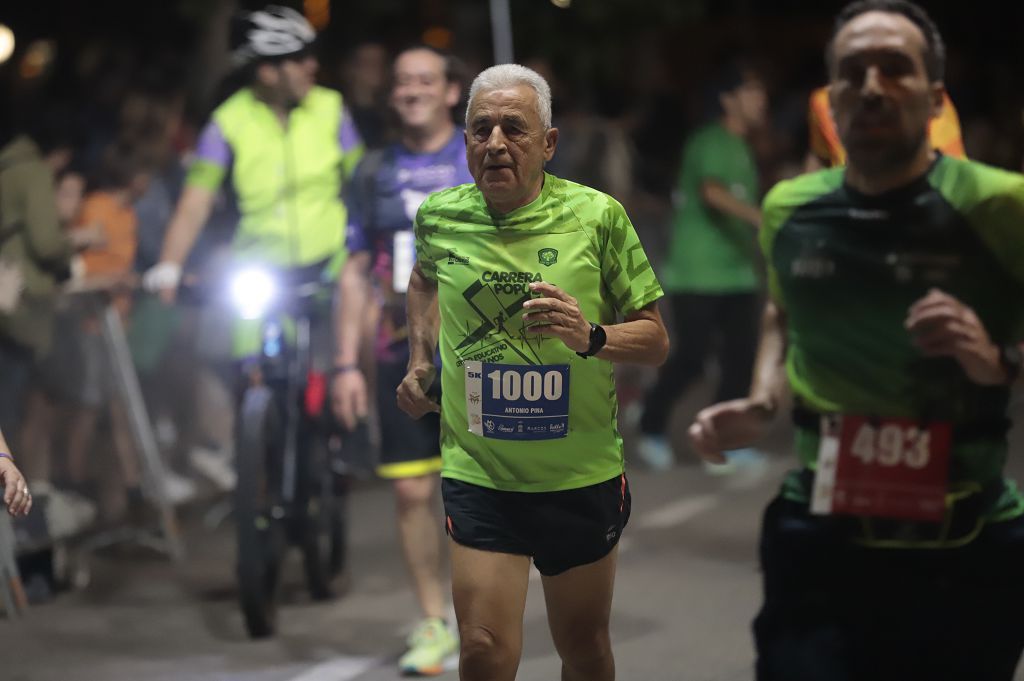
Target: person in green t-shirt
[(711, 274), (533, 287), (896, 550)]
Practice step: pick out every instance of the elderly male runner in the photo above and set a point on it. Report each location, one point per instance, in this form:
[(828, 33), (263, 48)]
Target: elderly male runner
[(896, 551), (523, 279)]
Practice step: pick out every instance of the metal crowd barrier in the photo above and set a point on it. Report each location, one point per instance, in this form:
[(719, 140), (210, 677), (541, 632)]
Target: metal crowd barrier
[(166, 537)]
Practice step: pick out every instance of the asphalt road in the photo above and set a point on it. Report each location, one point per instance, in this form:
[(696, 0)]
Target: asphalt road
[(687, 589)]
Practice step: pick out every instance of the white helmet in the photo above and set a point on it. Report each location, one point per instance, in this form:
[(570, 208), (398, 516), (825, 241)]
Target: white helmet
[(270, 33)]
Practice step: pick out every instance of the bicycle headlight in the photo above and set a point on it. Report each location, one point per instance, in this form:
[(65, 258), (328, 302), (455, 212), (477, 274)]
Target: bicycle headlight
[(252, 291)]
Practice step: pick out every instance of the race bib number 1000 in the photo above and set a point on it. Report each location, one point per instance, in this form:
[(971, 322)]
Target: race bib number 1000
[(890, 468), (517, 402)]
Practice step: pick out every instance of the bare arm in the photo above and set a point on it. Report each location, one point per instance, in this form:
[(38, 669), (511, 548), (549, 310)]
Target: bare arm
[(769, 385), (640, 339), (16, 495), (742, 422), (424, 319), (190, 215), (353, 289), (424, 324), (718, 196)]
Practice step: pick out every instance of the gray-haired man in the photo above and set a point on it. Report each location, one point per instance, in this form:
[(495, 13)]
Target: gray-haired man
[(534, 286)]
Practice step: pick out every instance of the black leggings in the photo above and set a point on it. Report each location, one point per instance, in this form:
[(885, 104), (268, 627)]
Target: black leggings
[(725, 323), (836, 611)]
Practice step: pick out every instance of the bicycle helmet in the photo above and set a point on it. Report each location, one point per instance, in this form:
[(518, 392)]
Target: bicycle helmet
[(273, 32)]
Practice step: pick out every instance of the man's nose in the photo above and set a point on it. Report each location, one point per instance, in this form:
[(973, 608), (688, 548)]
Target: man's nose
[(496, 141), (872, 84)]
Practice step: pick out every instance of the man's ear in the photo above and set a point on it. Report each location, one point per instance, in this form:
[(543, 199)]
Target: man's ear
[(550, 143)]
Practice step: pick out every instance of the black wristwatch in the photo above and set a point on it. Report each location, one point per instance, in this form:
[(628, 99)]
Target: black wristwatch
[(1012, 359), (597, 340)]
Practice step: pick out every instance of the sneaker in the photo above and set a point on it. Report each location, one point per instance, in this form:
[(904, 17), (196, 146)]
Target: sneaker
[(215, 464), (177, 488), (656, 453), (67, 513), (429, 644), (751, 464)]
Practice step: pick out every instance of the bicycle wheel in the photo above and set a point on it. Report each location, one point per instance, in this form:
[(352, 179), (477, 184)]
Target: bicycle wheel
[(324, 532), (261, 537)]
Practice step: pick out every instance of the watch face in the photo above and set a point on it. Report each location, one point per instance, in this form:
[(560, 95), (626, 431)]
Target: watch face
[(1013, 356)]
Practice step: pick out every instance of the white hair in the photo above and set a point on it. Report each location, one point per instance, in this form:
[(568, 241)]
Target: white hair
[(505, 76)]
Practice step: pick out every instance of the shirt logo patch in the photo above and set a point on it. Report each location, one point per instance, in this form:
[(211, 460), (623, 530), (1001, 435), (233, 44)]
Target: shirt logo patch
[(547, 256), (455, 259)]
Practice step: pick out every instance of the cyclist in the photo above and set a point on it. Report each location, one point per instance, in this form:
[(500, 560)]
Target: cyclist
[(287, 144), (532, 463), (895, 552), (389, 186)]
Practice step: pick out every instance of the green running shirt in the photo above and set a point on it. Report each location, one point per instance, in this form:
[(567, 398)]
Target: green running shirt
[(711, 252), (846, 268), (576, 238)]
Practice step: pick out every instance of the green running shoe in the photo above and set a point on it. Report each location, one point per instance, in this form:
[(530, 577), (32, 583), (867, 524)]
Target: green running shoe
[(429, 644)]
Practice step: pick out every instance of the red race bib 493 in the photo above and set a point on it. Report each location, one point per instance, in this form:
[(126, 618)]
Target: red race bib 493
[(890, 468)]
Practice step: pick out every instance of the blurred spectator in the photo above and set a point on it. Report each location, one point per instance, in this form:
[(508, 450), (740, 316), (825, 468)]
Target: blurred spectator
[(35, 253), (592, 150), (121, 180), (711, 275), (364, 74), (81, 356)]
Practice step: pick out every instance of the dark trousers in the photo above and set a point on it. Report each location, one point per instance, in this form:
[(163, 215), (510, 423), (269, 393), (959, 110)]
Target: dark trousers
[(16, 365), (837, 611), (726, 324)]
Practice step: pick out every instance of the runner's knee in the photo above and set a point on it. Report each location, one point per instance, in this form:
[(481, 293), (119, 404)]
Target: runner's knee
[(583, 647), (413, 492), (483, 645)]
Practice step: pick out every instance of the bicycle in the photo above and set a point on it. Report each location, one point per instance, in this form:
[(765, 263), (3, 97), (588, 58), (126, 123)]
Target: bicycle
[(292, 488)]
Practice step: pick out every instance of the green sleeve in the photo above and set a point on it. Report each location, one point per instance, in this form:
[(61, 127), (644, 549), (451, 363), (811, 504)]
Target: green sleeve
[(779, 204), (205, 174), (704, 159), (625, 269), (998, 217)]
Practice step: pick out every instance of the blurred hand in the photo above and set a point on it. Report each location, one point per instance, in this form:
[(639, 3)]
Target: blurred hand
[(163, 278), (729, 425), (17, 498), (412, 392), (348, 397), (942, 326), (558, 315)]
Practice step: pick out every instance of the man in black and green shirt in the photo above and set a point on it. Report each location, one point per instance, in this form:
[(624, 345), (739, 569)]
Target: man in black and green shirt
[(895, 552)]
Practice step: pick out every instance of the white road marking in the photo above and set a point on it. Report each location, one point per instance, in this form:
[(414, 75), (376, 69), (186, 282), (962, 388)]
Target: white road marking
[(339, 669), (678, 512)]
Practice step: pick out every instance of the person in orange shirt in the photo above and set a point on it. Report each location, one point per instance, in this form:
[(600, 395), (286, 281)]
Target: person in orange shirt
[(827, 151), (121, 180)]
